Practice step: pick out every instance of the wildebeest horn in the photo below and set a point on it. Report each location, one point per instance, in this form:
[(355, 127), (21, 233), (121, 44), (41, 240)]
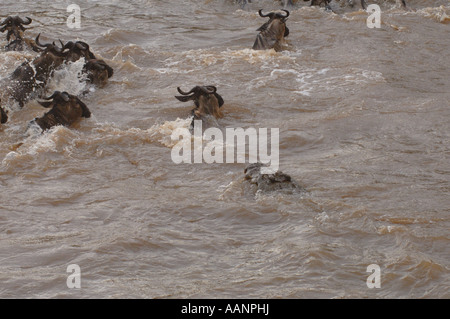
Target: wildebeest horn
[(52, 96), (49, 46), (69, 45), (287, 13), (270, 14), (55, 46), (209, 89), (184, 93), (40, 44), (82, 46), (6, 21), (57, 94), (29, 20)]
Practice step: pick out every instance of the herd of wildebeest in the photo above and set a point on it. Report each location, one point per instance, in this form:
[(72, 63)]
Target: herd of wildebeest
[(29, 81)]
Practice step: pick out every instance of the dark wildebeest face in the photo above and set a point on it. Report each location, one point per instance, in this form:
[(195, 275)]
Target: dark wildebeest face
[(77, 50), (98, 72), (3, 116), (65, 110), (15, 27), (273, 32), (206, 100)]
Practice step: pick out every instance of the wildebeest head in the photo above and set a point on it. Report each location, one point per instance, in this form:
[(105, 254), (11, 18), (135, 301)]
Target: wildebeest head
[(15, 27), (65, 110), (50, 47), (51, 58), (206, 99), (76, 50), (98, 72), (272, 32)]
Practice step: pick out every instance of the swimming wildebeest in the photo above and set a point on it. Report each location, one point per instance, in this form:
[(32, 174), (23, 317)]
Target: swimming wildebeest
[(15, 34), (30, 78), (273, 32), (98, 72), (65, 110), (77, 50), (206, 100), (275, 181)]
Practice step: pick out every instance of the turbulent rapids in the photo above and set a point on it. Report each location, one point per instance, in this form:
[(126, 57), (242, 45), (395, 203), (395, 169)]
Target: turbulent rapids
[(90, 122)]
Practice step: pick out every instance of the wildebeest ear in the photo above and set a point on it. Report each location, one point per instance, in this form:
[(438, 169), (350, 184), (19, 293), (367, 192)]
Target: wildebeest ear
[(183, 98), (46, 104), (286, 31), (220, 99)]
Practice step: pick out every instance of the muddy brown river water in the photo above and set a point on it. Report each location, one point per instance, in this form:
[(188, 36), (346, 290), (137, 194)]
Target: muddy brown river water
[(363, 117)]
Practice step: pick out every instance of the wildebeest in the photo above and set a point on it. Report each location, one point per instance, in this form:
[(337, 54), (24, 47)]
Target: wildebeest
[(206, 100), (273, 32), (31, 77), (277, 181), (98, 72), (15, 35), (65, 110), (76, 50), (3, 116)]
